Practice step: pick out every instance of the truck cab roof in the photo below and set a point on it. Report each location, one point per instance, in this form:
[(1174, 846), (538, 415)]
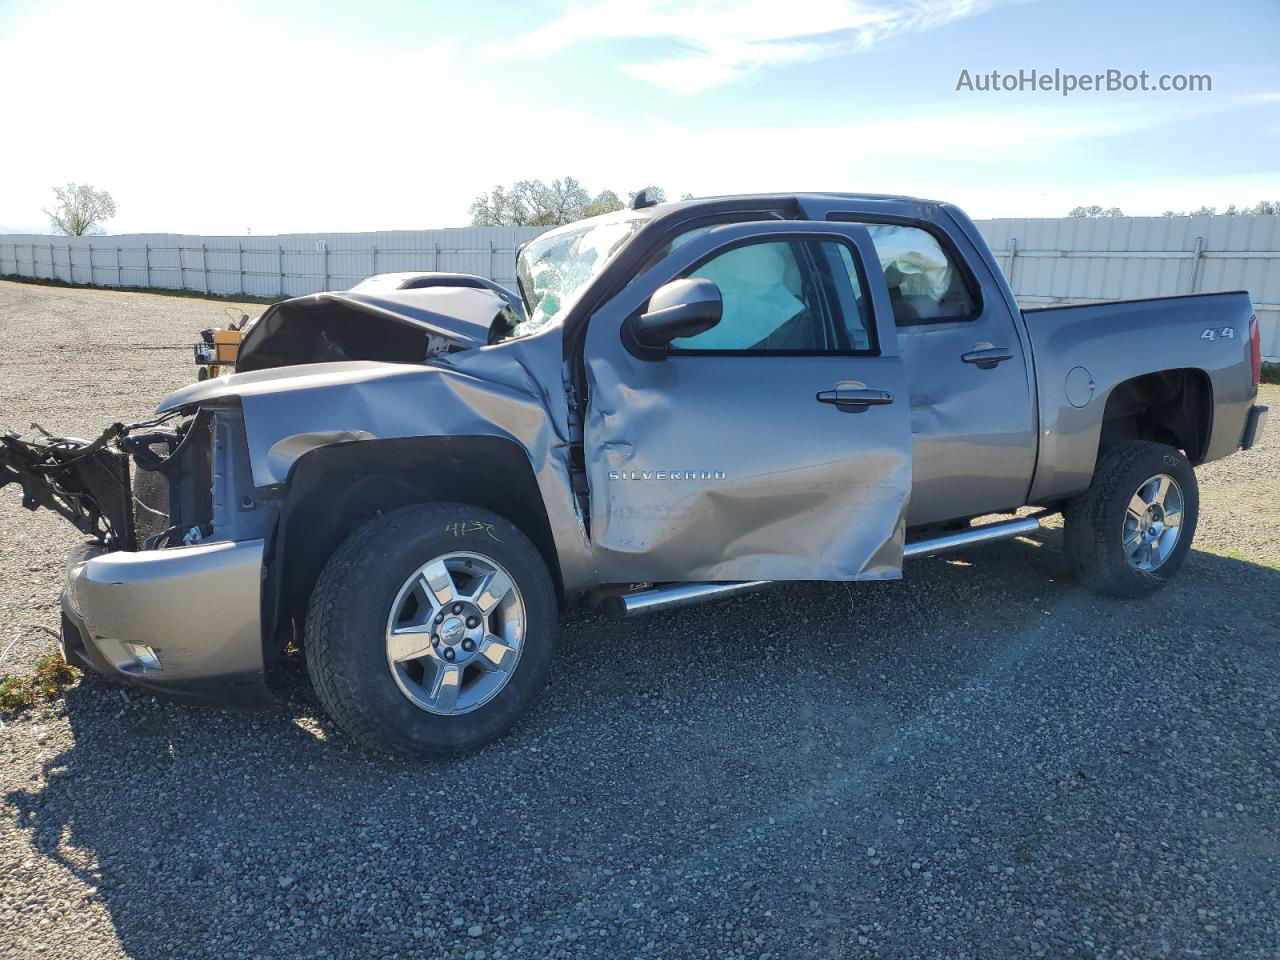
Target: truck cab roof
[(790, 206)]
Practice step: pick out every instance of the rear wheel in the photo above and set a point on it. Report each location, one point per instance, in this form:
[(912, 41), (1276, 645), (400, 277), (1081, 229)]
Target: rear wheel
[(1127, 535), (431, 629)]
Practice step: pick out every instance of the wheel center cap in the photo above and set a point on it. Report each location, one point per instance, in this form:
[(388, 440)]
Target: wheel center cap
[(451, 630)]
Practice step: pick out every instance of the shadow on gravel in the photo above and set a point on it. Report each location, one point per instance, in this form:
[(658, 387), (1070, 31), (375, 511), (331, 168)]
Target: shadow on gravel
[(813, 771)]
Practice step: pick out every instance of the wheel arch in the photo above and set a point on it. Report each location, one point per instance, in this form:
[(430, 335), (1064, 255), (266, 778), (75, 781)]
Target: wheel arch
[(1168, 406), (334, 489)]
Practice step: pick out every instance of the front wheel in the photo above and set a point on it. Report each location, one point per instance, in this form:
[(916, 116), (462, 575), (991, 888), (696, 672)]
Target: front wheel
[(431, 630), (1127, 535)]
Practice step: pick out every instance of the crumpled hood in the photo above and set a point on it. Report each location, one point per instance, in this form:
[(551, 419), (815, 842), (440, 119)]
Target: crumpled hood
[(398, 326), (529, 365), (284, 380)]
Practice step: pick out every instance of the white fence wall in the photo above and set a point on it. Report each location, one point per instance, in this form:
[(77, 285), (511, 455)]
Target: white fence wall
[(1079, 260), (288, 265), (1047, 261)]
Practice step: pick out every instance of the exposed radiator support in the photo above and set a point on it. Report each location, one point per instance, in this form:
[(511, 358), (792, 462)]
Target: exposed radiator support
[(683, 594)]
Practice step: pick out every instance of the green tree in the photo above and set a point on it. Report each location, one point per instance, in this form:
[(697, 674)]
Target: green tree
[(605, 202), (554, 203), (1095, 211), (80, 208), (500, 208), (538, 204), (1260, 209), (531, 203)]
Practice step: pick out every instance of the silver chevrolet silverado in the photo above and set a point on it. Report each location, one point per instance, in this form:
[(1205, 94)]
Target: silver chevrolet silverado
[(684, 401)]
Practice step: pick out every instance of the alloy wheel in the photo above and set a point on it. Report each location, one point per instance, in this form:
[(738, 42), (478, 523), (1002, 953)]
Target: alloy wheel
[(455, 632), (1153, 522)]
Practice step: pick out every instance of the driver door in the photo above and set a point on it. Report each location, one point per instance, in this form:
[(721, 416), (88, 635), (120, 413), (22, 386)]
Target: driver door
[(739, 453)]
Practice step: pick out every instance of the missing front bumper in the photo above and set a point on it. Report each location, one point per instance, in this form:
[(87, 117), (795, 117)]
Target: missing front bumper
[(94, 483), (87, 482)]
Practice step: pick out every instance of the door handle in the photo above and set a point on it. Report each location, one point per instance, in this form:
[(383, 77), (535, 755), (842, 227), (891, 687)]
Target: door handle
[(854, 399), (986, 356)]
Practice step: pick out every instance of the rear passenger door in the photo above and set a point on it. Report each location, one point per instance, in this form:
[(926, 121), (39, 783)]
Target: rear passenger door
[(773, 446), (973, 419)]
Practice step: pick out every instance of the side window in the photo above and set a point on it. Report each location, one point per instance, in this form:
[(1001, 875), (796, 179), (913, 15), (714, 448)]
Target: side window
[(924, 285), (789, 296)]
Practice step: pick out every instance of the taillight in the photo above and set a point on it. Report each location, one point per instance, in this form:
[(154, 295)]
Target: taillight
[(1255, 345)]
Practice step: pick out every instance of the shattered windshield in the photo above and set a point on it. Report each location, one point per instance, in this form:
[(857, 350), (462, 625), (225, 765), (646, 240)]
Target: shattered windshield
[(554, 270)]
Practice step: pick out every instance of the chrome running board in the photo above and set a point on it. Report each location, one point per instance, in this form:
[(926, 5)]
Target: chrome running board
[(672, 595), (987, 533)]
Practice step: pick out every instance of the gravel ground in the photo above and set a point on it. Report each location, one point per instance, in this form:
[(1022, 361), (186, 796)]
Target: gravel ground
[(979, 761)]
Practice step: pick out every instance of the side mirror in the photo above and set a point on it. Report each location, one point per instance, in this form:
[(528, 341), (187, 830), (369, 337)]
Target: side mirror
[(681, 308)]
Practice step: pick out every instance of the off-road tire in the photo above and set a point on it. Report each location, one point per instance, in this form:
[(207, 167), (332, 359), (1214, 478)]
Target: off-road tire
[(346, 624), (1094, 521)]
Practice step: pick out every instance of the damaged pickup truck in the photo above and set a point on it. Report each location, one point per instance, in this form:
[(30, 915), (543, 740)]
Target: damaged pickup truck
[(684, 401)]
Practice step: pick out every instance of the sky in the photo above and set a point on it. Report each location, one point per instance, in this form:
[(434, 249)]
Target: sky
[(270, 117)]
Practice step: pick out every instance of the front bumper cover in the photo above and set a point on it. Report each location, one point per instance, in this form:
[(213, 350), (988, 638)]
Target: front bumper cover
[(184, 622)]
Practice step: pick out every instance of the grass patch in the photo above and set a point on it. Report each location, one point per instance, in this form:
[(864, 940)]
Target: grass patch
[(1271, 373), (52, 676), (159, 291), (15, 693)]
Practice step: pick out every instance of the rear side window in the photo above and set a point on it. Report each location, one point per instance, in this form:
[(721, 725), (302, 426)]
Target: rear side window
[(925, 286), (786, 296)]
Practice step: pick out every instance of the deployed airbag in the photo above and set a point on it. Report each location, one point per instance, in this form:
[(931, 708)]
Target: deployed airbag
[(912, 260), (760, 287)]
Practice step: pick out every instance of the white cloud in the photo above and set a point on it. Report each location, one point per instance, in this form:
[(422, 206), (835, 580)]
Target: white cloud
[(251, 121), (727, 159), (728, 39), (933, 151)]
